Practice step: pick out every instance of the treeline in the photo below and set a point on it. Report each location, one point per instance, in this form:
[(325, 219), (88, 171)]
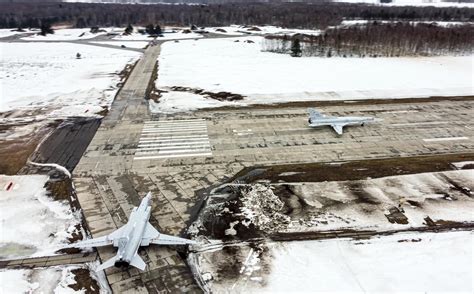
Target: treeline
[(292, 15), (376, 39)]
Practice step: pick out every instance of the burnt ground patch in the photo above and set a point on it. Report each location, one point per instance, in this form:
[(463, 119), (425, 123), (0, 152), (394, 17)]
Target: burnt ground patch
[(220, 96), (217, 221), (84, 281), (352, 170)]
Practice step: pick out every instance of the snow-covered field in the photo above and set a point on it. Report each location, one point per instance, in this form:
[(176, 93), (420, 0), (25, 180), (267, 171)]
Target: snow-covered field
[(401, 263), (433, 262), (48, 76), (242, 68), (66, 35), (335, 205), (10, 32), (50, 280), (31, 222), (171, 35), (44, 280)]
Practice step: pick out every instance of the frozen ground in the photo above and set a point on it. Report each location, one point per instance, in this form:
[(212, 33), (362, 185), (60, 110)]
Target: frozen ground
[(394, 203), (366, 204), (403, 262), (65, 35), (263, 77), (31, 222), (47, 280), (48, 76)]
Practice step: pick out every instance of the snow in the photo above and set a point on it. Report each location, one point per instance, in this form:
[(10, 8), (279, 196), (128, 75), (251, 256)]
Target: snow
[(437, 262), (174, 101), (15, 281), (49, 280), (461, 164), (53, 165), (48, 76), (31, 222), (171, 35), (65, 35), (428, 190), (128, 44), (262, 30), (12, 32), (263, 77), (437, 3)]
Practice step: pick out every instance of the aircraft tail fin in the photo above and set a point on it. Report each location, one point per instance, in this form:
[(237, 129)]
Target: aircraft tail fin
[(107, 264), (138, 262), (314, 114)]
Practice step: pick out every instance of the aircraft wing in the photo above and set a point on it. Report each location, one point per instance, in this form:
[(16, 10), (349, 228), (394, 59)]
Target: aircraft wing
[(96, 242), (101, 241), (163, 239), (337, 128)]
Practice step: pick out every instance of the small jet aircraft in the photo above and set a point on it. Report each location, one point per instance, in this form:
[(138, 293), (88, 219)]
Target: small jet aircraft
[(316, 119), (137, 232)]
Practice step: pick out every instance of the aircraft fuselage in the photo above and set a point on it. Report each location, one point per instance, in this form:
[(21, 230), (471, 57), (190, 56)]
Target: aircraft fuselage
[(130, 242), (347, 121)]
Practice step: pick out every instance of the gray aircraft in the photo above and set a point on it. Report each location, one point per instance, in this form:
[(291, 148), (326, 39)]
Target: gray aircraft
[(137, 232), (317, 119)]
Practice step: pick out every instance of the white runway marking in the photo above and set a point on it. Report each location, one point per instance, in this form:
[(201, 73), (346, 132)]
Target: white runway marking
[(445, 139), (173, 139)]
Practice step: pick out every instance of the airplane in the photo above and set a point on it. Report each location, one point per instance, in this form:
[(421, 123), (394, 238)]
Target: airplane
[(128, 238), (317, 119)]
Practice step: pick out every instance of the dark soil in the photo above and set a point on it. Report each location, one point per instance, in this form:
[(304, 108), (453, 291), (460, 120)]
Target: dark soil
[(84, 281), (151, 92), (15, 153), (221, 96), (438, 226), (353, 170)]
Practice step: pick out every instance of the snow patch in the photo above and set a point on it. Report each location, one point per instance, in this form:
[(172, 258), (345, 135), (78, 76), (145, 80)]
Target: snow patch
[(263, 77), (31, 219)]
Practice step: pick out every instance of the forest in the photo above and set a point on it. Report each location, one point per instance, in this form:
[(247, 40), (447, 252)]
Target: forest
[(292, 15), (378, 39)]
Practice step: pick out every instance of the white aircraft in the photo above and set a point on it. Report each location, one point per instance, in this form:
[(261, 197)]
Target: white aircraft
[(316, 119), (137, 232)]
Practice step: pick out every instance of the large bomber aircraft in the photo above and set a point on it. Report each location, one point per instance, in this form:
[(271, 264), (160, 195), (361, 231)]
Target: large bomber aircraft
[(316, 119), (137, 232)]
